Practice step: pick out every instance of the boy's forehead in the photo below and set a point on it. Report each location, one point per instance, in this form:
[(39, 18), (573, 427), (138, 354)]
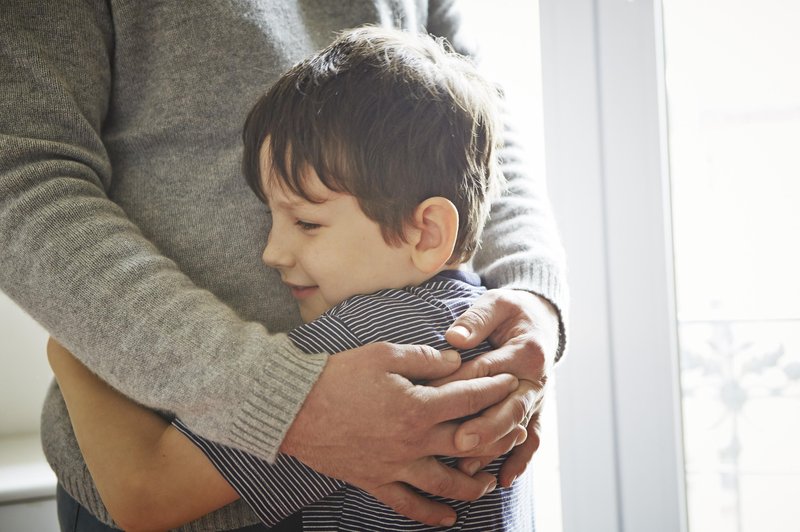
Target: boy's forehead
[(278, 187), (278, 193)]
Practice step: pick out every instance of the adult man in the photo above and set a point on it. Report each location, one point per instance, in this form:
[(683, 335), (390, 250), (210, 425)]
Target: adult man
[(128, 232)]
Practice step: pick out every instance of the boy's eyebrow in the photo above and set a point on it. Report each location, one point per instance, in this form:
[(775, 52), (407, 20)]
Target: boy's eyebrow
[(296, 203)]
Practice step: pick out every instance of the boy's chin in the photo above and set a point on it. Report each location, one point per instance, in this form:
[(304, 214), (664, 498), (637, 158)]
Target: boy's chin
[(309, 314)]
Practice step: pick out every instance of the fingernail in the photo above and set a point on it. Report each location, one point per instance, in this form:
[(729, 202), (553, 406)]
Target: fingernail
[(460, 330), (491, 487), (451, 356), (448, 521), (470, 441), (512, 481), (472, 467)]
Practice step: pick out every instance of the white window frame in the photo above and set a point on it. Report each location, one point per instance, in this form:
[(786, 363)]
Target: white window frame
[(605, 137)]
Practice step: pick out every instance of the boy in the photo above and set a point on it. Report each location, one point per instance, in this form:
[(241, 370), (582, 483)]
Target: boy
[(376, 158)]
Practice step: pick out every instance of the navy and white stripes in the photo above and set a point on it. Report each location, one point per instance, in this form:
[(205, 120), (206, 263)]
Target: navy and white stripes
[(413, 315)]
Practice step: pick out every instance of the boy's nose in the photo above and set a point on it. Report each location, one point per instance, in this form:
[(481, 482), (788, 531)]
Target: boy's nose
[(275, 255)]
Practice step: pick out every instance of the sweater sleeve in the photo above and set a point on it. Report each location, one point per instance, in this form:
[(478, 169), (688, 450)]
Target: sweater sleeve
[(276, 491), (74, 261), (520, 244)]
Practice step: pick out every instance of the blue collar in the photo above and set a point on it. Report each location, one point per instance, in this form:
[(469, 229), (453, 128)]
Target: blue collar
[(470, 278)]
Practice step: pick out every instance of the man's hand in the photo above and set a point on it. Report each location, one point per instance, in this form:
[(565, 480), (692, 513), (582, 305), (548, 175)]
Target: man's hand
[(366, 422), (524, 327)]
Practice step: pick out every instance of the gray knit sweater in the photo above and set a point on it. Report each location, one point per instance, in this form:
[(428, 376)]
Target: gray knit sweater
[(128, 232)]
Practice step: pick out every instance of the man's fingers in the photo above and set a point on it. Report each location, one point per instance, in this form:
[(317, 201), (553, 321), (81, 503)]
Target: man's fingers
[(468, 370), (404, 501), (516, 463), (477, 323), (432, 476), (465, 398), (473, 464), (500, 447), (496, 422), (420, 362), (442, 440), (522, 358)]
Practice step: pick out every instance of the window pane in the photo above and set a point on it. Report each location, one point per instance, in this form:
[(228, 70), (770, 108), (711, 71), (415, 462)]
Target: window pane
[(733, 91)]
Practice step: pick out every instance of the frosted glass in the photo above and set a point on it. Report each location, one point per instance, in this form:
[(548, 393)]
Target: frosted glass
[(733, 93)]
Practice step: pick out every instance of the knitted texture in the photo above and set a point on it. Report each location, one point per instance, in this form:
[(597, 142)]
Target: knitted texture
[(128, 232)]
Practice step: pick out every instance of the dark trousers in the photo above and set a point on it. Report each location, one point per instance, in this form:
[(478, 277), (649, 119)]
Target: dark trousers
[(72, 517)]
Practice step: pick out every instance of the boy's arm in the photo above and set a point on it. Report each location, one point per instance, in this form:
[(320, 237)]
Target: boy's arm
[(147, 473), (273, 491)]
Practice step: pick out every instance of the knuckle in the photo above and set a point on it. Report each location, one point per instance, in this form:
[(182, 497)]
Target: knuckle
[(401, 503), (507, 444), (484, 366), (385, 352), (444, 485), (529, 401), (531, 344), (383, 348), (426, 353), (474, 402), (519, 409), (415, 354), (477, 316), (508, 302), (531, 354)]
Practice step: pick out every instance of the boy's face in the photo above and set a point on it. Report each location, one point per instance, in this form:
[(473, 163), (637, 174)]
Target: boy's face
[(329, 251)]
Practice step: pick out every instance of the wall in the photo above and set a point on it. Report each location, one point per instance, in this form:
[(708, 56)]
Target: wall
[(25, 375)]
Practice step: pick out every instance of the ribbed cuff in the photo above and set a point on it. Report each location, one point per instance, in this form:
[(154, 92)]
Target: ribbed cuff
[(279, 391)]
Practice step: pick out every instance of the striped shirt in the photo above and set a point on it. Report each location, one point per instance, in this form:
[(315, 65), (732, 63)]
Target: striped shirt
[(412, 315)]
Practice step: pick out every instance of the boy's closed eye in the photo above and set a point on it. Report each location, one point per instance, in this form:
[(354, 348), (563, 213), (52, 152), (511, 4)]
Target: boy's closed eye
[(307, 226)]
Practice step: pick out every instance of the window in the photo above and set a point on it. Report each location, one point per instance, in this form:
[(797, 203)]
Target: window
[(678, 407), (734, 120)]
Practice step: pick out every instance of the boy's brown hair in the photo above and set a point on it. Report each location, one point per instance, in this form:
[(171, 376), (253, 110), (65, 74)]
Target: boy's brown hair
[(390, 117)]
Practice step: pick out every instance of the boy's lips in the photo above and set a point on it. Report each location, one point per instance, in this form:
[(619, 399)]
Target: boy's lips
[(301, 291)]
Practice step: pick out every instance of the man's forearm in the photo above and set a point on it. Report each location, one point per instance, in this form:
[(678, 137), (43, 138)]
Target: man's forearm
[(79, 264)]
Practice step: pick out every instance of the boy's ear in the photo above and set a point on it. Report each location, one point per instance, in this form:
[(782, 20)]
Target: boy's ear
[(433, 235)]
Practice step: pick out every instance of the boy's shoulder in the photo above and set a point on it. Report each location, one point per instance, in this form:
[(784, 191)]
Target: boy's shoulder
[(415, 314), (449, 292)]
